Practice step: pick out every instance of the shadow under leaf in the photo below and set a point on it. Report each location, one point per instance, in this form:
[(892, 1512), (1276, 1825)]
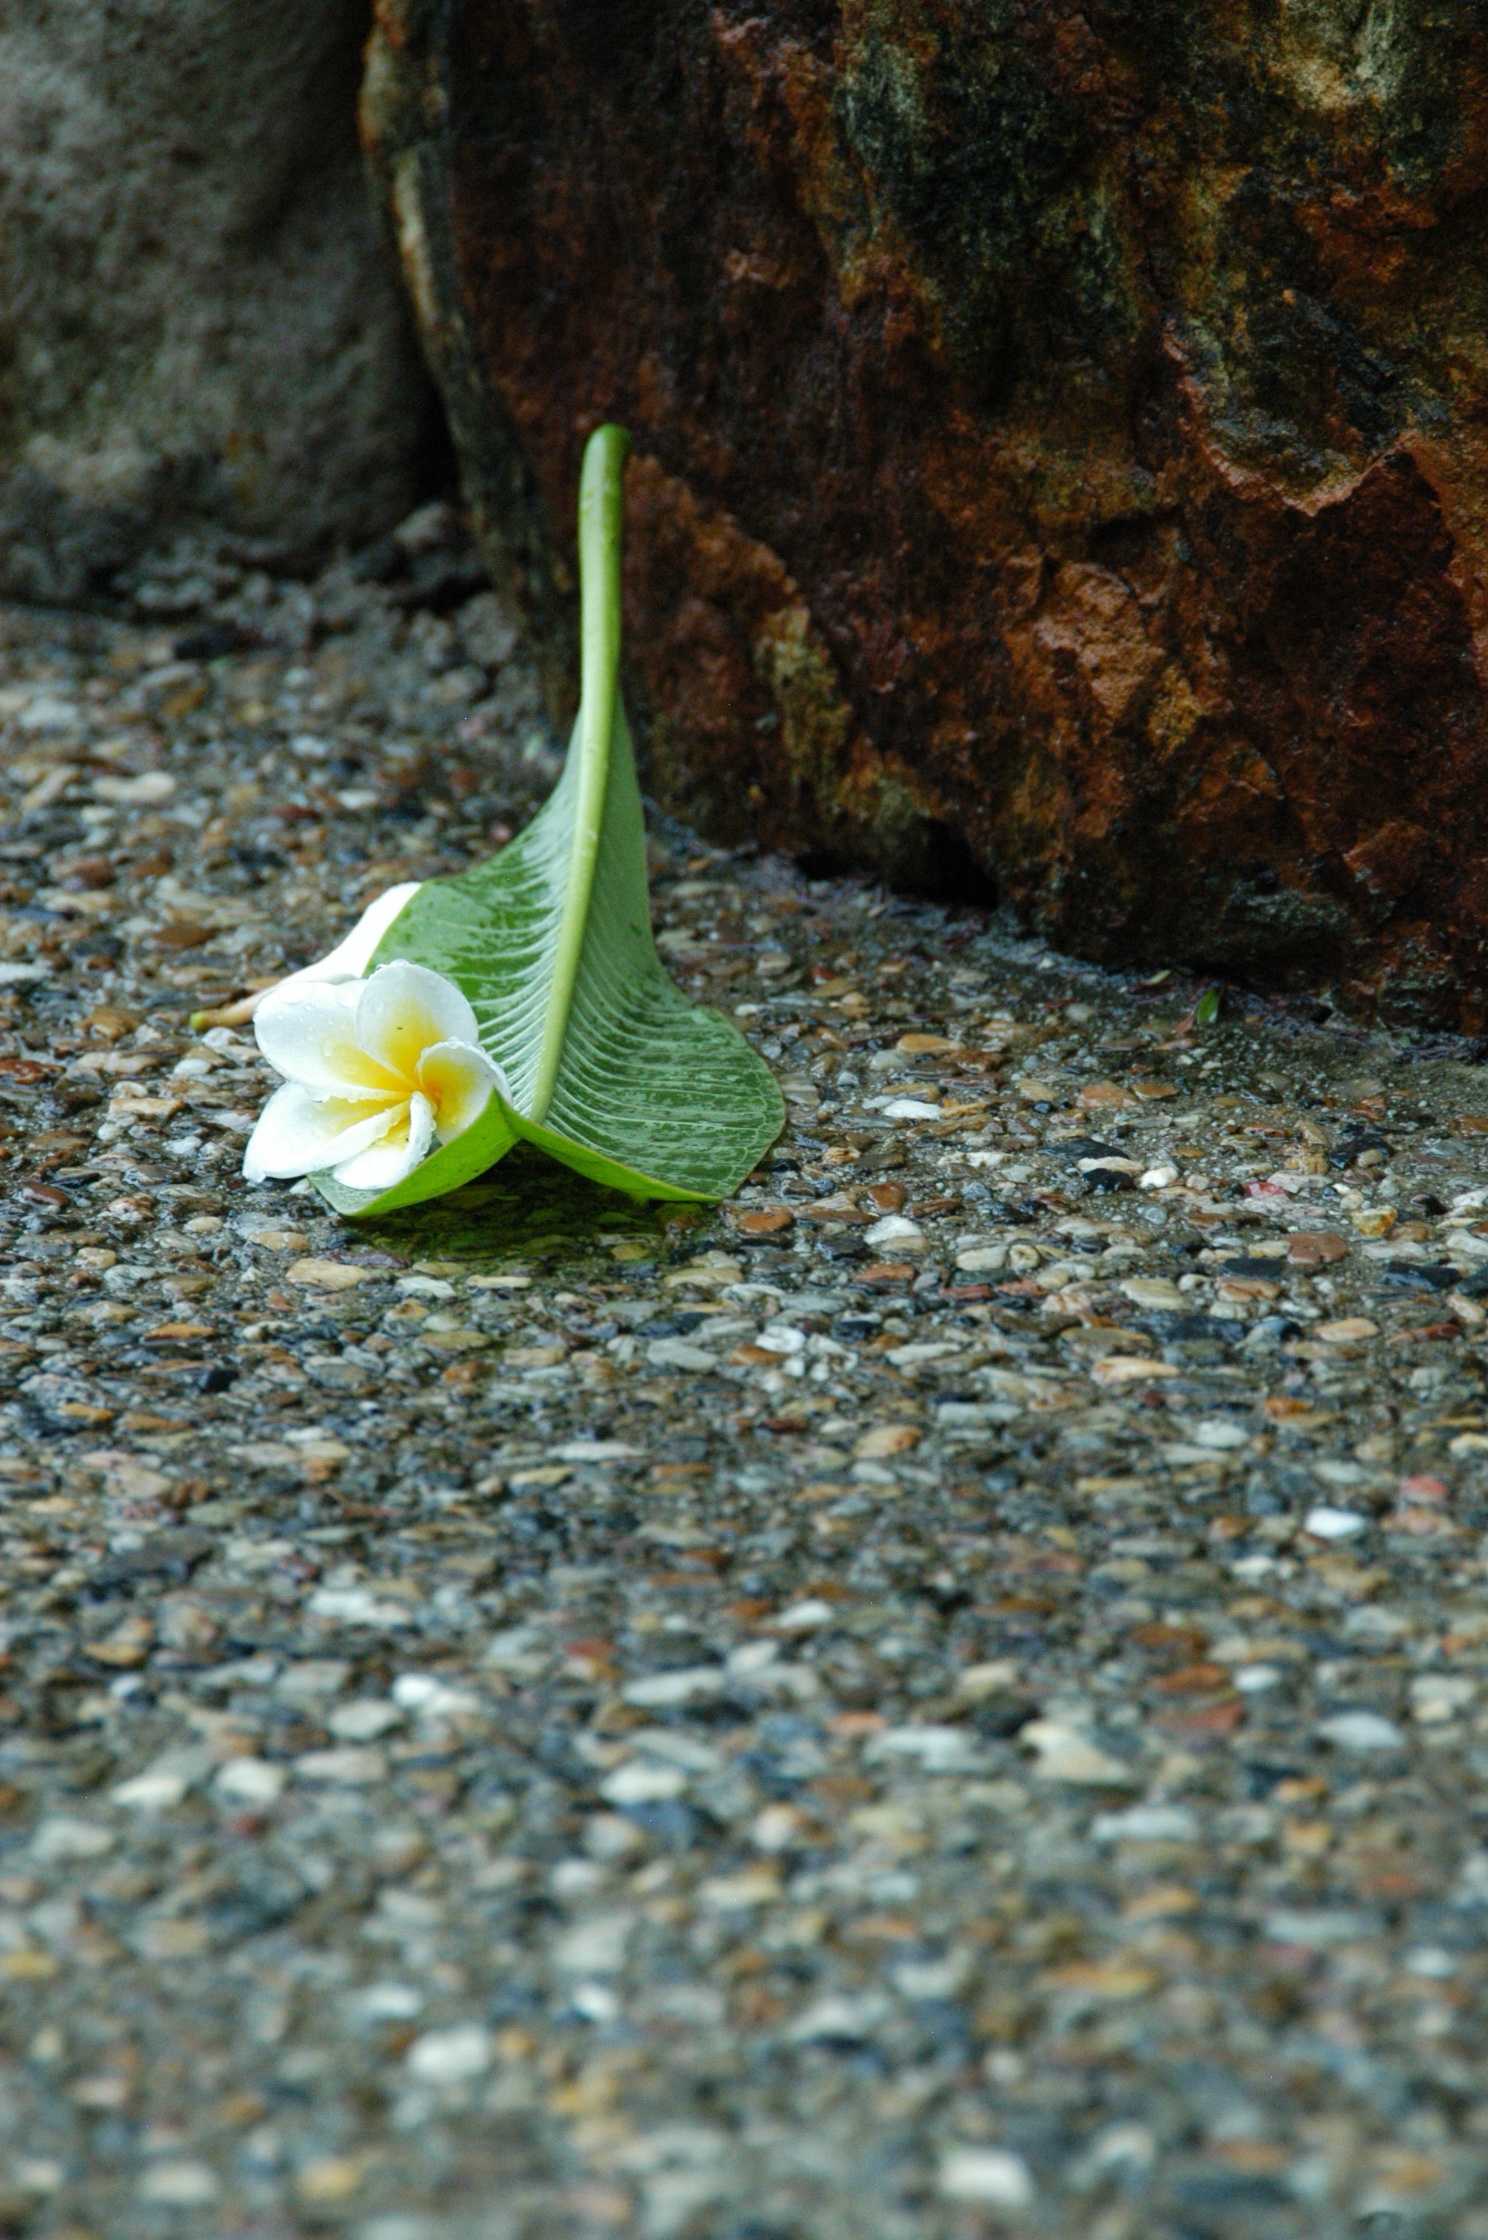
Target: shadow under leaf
[(527, 1206)]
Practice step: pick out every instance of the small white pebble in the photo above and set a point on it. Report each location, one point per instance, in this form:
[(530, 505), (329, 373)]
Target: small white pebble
[(450, 2056), (805, 1617), (179, 2185), (1220, 1435), (1430, 1960), (1333, 1524), (1360, 1730), (986, 2174), (576, 1878), (990, 1679), (250, 1781), (641, 1782), (780, 1827), (364, 1719), (150, 1792), (421, 1693), (894, 1229)]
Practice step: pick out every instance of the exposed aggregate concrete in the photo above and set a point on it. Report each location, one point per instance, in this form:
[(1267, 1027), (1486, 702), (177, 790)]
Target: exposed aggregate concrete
[(942, 1698)]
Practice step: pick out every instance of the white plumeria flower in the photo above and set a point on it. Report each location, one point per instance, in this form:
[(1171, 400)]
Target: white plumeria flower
[(347, 961), (351, 957), (376, 1071)]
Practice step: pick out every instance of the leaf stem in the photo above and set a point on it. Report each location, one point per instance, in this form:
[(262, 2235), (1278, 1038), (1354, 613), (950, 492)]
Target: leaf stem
[(600, 504)]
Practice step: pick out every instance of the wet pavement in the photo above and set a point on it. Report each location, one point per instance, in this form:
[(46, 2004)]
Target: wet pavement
[(943, 1698)]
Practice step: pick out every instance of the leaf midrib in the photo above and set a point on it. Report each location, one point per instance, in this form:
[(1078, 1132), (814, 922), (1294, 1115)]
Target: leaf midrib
[(600, 505)]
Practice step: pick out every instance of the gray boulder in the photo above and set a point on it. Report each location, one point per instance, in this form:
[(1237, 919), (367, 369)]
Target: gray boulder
[(199, 326)]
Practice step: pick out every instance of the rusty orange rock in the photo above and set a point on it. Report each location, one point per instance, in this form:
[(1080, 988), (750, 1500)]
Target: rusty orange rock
[(1061, 436)]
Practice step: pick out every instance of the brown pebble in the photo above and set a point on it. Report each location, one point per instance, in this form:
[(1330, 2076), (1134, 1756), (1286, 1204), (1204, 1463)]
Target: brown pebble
[(1316, 1248), (1207, 1722), (887, 1439), (325, 1275), (1424, 1332), (766, 1221), (1192, 1680)]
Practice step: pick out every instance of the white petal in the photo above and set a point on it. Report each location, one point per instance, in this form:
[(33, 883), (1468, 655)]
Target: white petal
[(301, 1134), (351, 957), (405, 1007), (457, 1078), (390, 1162), (308, 1033)]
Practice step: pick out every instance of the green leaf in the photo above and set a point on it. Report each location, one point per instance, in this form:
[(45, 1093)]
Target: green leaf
[(1206, 1010), (611, 1068)]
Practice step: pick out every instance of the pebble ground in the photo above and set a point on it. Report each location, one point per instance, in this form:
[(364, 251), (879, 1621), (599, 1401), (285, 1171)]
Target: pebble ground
[(941, 1700)]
